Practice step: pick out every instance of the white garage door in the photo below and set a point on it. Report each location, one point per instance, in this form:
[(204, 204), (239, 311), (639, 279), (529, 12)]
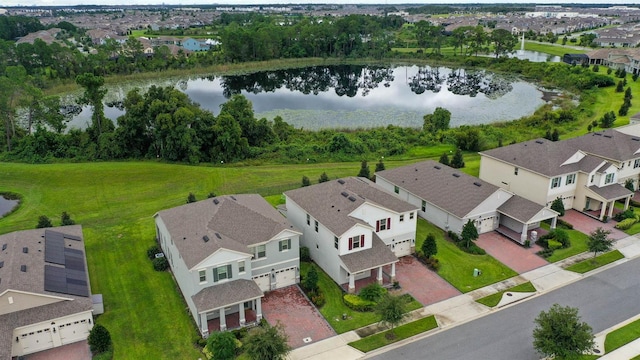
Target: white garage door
[(72, 332), (285, 277), (263, 282), (402, 248), (486, 224), (36, 341)]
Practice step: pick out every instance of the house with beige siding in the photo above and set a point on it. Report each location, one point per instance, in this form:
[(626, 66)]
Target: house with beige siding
[(45, 295), (449, 198), (225, 252), (588, 173), (353, 228)]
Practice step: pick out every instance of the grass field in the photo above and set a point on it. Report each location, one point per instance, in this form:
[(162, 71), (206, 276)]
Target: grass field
[(594, 263), (557, 50), (493, 299), (456, 266), (402, 332)]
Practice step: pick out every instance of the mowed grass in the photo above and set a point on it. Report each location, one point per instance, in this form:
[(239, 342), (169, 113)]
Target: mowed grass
[(456, 266), (594, 263), (550, 49), (493, 299), (622, 336), (115, 202), (401, 332)]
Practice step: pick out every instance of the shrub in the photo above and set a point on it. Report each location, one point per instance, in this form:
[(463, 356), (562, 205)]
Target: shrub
[(473, 249), (432, 263), (99, 339), (562, 237), (305, 255), (65, 219), (160, 264), (153, 250), (44, 222), (553, 245), (357, 303), (565, 224), (310, 282), (545, 253), (191, 198), (372, 292), (317, 298), (625, 224), (558, 206), (627, 214), (453, 236)]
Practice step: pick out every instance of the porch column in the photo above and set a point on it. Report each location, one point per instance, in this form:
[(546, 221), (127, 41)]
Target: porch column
[(241, 313), (626, 202), (259, 309), (379, 277), (554, 222), (352, 284), (603, 208), (204, 327), (223, 320), (524, 235), (393, 272), (611, 210)]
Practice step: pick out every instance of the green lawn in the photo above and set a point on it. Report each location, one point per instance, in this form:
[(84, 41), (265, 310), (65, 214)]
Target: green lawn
[(379, 340), (594, 263), (579, 245), (456, 266), (622, 336), (493, 299), (547, 48), (334, 308), (115, 203)]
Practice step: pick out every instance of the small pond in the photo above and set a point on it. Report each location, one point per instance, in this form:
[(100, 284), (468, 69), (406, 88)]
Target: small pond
[(6, 205), (352, 96)]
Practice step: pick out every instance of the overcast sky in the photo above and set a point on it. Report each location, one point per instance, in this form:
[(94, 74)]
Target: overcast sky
[(246, 2)]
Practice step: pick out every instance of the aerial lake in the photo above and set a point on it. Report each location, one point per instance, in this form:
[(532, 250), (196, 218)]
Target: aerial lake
[(354, 96), (6, 205)]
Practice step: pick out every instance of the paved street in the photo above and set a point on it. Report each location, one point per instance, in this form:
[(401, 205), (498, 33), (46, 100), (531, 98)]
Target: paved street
[(604, 299)]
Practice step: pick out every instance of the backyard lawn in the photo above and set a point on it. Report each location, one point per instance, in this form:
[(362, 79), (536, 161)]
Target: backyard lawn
[(456, 266)]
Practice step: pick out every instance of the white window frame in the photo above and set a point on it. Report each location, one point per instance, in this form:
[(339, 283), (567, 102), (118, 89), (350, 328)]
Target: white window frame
[(284, 245), (571, 179), (336, 242), (316, 225), (396, 189), (202, 274), (608, 179), (242, 267), (515, 171), (355, 242), (308, 219), (382, 224), (555, 182), (411, 216), (222, 270), (401, 217), (424, 206), (258, 251), (636, 163)]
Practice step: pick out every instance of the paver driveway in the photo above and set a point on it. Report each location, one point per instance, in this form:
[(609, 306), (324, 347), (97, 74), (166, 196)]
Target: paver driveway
[(587, 225), (506, 251), (423, 284), (76, 351), (300, 318)]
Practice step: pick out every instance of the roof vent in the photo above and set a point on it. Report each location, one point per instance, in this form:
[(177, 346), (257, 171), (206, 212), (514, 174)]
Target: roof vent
[(436, 167), (344, 193), (341, 181), (416, 169), (205, 238), (597, 134), (608, 136), (635, 139), (23, 268), (25, 250), (4, 247), (1, 264), (539, 142), (455, 175), (352, 199), (233, 197), (216, 201), (477, 184), (218, 236)]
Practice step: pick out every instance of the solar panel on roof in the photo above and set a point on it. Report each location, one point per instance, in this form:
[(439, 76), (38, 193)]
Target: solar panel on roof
[(72, 237), (53, 247), (65, 281)]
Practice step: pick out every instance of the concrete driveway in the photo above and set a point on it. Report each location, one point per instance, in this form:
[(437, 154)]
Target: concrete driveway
[(423, 284), (302, 321), (76, 351), (587, 225), (517, 257)]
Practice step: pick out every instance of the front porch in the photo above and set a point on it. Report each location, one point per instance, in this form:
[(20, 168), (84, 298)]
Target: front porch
[(521, 217), (233, 321), (600, 201), (517, 236), (372, 278)]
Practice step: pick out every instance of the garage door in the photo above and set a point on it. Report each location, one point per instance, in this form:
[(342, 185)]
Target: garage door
[(285, 277), (36, 341), (72, 332), (263, 282), (402, 248), (486, 224)]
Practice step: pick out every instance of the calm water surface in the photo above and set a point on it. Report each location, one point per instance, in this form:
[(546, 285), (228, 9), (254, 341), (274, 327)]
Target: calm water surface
[(6, 205)]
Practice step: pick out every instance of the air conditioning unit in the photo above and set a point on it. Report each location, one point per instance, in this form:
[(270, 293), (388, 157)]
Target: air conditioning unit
[(159, 255)]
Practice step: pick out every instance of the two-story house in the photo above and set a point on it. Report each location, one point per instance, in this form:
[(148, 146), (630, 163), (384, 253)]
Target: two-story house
[(449, 198), (45, 295), (352, 227), (588, 172), (224, 253)]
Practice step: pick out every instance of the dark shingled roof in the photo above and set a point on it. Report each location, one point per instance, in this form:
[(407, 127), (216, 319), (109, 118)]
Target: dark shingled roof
[(225, 294), (522, 209), (326, 201), (239, 221), (378, 255), (436, 184), (611, 192), (32, 281), (547, 157)]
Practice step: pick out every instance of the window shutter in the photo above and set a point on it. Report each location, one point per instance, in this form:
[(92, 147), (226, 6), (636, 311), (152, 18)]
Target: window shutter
[(361, 240), (388, 223), (215, 275), (229, 271), (350, 243), (289, 244), (280, 245), (377, 225)]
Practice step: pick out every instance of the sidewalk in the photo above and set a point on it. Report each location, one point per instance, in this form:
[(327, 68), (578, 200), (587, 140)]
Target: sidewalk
[(463, 308)]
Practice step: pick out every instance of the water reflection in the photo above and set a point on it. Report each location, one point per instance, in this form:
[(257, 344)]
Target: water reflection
[(358, 96), (6, 205)]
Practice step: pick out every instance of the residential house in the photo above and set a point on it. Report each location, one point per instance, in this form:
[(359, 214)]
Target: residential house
[(45, 295), (225, 252), (192, 44), (449, 198), (588, 172), (352, 227)]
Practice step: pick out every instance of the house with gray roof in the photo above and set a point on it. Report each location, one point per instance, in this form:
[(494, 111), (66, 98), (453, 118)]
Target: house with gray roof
[(449, 198), (45, 295), (588, 173), (353, 228), (225, 252)]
